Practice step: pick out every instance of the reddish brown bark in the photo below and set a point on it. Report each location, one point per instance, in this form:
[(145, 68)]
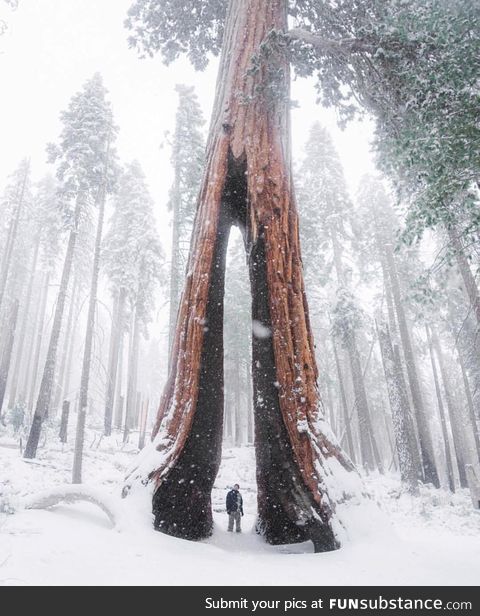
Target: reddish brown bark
[(247, 181)]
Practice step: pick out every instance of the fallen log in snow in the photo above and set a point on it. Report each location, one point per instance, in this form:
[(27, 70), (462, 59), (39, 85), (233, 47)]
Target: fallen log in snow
[(74, 493)]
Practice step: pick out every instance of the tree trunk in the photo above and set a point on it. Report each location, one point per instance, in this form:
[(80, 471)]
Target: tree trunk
[(113, 360), (249, 399), (441, 410), (131, 397), (143, 424), (369, 453), (462, 431), (237, 401), (430, 474), (32, 381), (21, 340), (399, 407), (345, 409), (45, 393), (118, 393), (470, 405), (7, 350), (12, 236), (368, 445), (87, 352), (64, 421), (465, 271), (247, 181), (59, 389)]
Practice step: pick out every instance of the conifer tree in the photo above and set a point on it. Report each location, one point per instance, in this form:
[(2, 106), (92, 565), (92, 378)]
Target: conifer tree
[(132, 259), (80, 157), (246, 181)]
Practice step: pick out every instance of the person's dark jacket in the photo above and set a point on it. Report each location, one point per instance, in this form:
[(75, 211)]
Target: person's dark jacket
[(234, 502)]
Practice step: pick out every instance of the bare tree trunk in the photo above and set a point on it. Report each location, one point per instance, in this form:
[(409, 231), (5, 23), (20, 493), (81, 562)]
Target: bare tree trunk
[(118, 393), (30, 338), (143, 424), (441, 410), (249, 398), (12, 236), (32, 381), (113, 360), (247, 181), (462, 432), (470, 405), (65, 350), (21, 340), (71, 347), (119, 411), (132, 376), (7, 351), (87, 352), (343, 398), (369, 453), (237, 402), (399, 407), (46, 386), (368, 445), (64, 421), (465, 271), (425, 438)]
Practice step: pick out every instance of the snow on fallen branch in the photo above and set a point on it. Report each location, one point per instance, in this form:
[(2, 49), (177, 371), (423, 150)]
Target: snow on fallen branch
[(74, 493)]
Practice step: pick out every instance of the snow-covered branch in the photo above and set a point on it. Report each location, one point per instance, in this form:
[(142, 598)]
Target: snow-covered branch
[(325, 45), (74, 493)]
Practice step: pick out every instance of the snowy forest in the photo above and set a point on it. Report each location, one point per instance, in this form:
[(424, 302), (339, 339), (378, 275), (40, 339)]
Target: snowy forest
[(263, 319)]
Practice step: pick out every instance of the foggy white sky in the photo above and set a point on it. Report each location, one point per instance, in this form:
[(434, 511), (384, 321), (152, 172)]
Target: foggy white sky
[(53, 46)]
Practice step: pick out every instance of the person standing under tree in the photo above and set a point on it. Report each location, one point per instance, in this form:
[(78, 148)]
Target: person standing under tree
[(234, 508)]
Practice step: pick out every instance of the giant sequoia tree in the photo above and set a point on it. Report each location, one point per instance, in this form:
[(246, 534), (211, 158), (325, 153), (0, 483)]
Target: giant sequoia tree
[(247, 182)]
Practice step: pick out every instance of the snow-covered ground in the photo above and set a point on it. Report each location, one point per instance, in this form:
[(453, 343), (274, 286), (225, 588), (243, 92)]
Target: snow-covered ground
[(433, 539)]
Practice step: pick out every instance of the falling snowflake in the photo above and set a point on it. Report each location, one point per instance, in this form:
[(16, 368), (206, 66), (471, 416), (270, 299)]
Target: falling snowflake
[(260, 330)]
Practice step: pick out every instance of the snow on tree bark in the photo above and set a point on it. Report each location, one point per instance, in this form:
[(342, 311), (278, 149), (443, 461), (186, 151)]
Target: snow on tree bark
[(247, 181), (399, 406), (425, 438)]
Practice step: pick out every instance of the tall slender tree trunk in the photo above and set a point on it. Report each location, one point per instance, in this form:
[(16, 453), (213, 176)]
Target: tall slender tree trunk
[(46, 385), (424, 435), (399, 407), (59, 389), (465, 271), (30, 338), (131, 397), (7, 350), (343, 398), (118, 392), (470, 405), (87, 352), (32, 380), (113, 360), (12, 235), (370, 455), (71, 347), (247, 181), (462, 430), (249, 398), (237, 401), (368, 445), (21, 339), (441, 410)]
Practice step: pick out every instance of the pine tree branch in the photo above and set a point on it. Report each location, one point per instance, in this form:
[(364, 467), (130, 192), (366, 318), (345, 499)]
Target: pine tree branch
[(324, 45)]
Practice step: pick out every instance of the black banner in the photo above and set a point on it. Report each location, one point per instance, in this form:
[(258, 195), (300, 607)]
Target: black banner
[(247, 600)]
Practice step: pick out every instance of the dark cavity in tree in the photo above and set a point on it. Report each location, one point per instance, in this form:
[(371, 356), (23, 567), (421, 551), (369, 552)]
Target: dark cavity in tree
[(287, 511)]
